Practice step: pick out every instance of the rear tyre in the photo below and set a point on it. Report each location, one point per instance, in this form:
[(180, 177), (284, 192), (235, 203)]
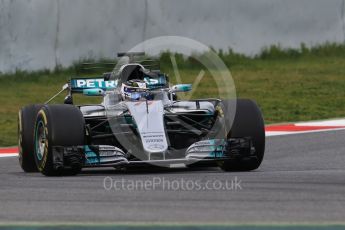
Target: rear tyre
[(57, 125), (26, 123), (248, 122)]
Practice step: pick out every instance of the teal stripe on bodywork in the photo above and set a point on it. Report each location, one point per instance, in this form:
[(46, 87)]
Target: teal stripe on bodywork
[(91, 157)]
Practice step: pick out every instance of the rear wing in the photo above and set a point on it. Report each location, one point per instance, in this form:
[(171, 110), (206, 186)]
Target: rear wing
[(78, 85), (86, 86)]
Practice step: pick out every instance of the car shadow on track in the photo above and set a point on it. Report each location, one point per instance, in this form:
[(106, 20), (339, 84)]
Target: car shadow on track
[(145, 170)]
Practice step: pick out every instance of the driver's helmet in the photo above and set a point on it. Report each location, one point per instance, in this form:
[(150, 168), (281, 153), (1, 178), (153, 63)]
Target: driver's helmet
[(134, 90)]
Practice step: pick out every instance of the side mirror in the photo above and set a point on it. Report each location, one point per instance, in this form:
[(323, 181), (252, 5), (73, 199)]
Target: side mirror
[(68, 100), (94, 92), (181, 88)]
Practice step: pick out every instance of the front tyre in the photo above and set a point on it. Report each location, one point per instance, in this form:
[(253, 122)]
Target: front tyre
[(57, 125), (248, 122), (26, 124)]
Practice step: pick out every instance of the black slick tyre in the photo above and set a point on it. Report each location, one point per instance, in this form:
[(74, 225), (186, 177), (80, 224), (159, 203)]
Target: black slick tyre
[(26, 123), (248, 122), (57, 125)]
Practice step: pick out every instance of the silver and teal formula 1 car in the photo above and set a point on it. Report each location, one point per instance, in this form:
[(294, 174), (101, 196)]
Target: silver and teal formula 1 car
[(140, 122)]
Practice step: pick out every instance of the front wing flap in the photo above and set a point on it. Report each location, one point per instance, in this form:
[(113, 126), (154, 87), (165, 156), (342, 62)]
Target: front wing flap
[(221, 149), (212, 150)]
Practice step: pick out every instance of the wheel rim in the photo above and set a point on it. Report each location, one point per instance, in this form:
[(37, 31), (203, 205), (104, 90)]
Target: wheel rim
[(40, 140)]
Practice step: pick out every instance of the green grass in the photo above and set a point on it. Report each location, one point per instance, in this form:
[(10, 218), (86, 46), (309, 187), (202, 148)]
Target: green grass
[(288, 84)]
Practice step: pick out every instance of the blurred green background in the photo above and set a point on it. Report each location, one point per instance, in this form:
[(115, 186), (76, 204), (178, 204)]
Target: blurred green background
[(288, 84)]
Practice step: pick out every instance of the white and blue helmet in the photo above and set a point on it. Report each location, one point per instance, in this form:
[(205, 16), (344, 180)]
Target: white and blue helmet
[(134, 90)]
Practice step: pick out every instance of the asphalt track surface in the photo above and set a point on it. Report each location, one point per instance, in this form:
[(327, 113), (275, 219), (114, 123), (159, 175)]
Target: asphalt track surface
[(302, 180)]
